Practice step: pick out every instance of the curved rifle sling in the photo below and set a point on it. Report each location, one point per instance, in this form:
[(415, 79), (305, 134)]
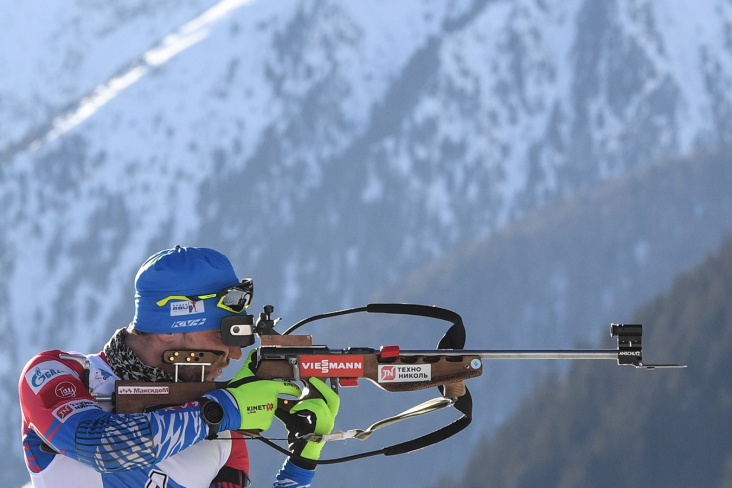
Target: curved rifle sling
[(454, 338)]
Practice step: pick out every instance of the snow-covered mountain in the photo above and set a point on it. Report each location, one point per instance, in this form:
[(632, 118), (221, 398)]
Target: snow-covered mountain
[(328, 148)]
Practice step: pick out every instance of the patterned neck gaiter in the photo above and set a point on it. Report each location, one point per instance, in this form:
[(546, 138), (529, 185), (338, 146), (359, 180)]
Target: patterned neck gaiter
[(126, 364)]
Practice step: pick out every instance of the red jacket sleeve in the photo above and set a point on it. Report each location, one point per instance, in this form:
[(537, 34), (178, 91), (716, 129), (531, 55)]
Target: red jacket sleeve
[(58, 407), (234, 472), (51, 391)]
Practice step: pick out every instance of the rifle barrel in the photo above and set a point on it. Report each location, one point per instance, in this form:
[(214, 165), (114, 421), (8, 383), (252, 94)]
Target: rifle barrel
[(520, 353)]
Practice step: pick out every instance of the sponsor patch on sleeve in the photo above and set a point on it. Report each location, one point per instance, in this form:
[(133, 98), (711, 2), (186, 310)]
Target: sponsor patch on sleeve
[(42, 373), (66, 410)]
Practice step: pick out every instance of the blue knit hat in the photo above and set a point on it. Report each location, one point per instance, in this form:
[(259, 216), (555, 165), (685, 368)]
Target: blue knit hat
[(181, 272)]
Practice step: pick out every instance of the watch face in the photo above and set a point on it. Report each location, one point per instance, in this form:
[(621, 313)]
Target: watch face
[(212, 412)]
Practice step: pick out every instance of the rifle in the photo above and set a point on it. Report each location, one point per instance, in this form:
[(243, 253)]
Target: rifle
[(294, 357)]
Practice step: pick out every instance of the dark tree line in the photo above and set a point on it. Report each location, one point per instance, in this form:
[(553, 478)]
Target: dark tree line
[(603, 425)]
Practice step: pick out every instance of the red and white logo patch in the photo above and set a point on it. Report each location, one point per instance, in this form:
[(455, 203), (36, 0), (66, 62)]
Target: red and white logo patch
[(391, 373), (65, 390), (331, 366), (66, 410)]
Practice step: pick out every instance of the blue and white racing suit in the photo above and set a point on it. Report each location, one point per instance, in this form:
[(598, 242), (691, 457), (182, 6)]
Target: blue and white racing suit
[(70, 440)]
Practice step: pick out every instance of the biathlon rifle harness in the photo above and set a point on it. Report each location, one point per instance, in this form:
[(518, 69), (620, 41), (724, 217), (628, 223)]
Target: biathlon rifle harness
[(293, 357)]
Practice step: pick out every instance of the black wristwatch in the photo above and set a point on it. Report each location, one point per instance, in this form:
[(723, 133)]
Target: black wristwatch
[(212, 414)]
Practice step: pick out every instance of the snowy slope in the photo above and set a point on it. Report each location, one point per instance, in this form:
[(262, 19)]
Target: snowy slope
[(327, 148)]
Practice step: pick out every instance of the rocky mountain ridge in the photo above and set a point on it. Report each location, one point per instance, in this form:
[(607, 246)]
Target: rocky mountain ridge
[(328, 148)]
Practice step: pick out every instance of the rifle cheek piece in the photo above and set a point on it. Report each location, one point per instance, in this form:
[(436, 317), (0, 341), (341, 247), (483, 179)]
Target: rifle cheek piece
[(237, 330)]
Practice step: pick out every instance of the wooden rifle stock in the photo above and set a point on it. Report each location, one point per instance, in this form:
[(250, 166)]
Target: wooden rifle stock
[(293, 357)]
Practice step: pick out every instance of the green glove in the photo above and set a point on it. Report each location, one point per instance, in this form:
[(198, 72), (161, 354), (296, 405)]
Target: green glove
[(257, 399), (311, 416)]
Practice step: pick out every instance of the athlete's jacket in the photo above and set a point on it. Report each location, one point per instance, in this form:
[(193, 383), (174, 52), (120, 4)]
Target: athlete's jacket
[(70, 440)]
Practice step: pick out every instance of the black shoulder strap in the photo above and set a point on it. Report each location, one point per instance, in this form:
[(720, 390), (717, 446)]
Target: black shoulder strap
[(454, 338)]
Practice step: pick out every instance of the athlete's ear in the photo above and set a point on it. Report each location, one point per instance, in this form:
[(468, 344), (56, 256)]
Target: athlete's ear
[(164, 338)]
